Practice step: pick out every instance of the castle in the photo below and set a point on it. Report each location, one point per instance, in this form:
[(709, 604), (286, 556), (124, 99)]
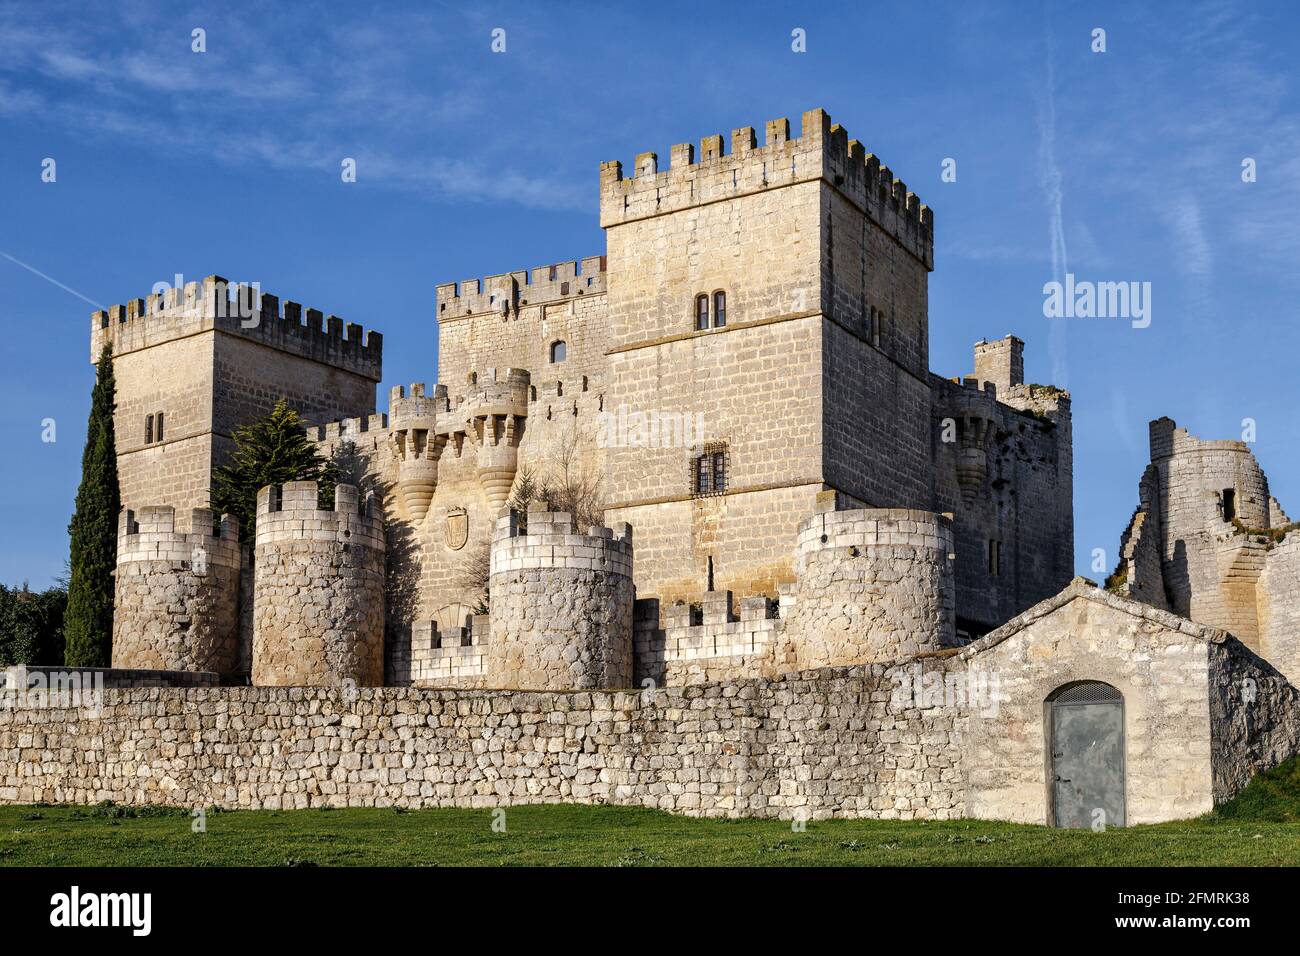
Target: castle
[(768, 301), (700, 504)]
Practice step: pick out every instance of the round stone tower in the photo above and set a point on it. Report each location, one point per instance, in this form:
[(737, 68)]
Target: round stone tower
[(872, 585), (318, 591), (561, 605), (176, 603)]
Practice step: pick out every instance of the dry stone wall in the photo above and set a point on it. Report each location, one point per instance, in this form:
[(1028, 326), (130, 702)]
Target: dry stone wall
[(818, 745), (318, 603), (176, 592)]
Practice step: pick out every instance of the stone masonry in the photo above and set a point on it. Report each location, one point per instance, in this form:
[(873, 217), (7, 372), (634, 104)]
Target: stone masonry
[(561, 605), (874, 584), (933, 737), (851, 593), (176, 592), (318, 605), (1208, 541)]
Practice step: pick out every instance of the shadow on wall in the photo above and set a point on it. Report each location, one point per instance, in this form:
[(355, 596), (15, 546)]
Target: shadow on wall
[(1178, 581), (402, 566)]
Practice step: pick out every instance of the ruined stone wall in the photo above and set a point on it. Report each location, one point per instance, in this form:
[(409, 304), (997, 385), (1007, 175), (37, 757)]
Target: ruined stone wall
[(1255, 713), (874, 585), (561, 605), (1279, 608), (816, 745), (176, 592), (1193, 475), (318, 605), (1140, 572)]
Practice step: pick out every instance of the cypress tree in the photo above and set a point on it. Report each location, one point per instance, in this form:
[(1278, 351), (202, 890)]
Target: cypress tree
[(88, 624), (270, 451)]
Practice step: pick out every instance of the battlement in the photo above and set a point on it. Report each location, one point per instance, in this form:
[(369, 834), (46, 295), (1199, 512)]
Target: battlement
[(822, 151), (153, 533), (289, 513), (348, 428), (243, 311), (872, 528), (1168, 440), (508, 291), (414, 408), (176, 591), (502, 391), (545, 539), (716, 630)]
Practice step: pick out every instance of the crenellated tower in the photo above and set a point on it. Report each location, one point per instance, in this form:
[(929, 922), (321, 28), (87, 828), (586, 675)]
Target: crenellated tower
[(194, 363), (318, 605), (176, 604), (780, 291)]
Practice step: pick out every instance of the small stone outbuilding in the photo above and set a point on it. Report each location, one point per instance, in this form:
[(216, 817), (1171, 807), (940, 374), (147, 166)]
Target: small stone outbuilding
[(1109, 712)]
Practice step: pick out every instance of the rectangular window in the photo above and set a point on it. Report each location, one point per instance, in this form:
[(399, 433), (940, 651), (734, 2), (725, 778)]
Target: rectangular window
[(709, 471), (148, 429), (1229, 504), (719, 309), (995, 558), (702, 475), (158, 432), (701, 313)]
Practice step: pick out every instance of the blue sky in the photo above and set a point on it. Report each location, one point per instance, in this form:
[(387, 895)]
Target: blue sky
[(1120, 166)]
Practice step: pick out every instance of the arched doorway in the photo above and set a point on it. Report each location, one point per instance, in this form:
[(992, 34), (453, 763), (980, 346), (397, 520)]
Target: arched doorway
[(1085, 733)]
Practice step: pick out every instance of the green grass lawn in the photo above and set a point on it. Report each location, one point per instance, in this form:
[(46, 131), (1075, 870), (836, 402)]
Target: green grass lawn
[(1260, 828)]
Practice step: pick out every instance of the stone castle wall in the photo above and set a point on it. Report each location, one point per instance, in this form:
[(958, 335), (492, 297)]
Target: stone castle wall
[(318, 604), (958, 734), (817, 745), (176, 592), (561, 605), (1001, 454)]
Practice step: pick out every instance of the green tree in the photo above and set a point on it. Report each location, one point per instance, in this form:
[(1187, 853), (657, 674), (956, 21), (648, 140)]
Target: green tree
[(31, 625), (270, 451), (88, 627)]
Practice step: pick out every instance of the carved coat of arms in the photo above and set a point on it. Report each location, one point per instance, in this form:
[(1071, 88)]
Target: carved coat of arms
[(457, 528)]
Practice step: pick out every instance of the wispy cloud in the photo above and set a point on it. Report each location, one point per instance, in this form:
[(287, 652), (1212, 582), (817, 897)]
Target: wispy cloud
[(272, 96), (1051, 181)]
